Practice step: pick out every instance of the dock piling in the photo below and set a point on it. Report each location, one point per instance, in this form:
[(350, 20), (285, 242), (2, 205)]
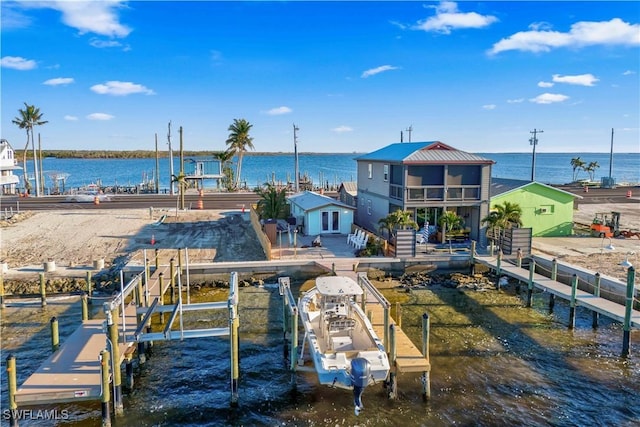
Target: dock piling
[(498, 271), (2, 305), (392, 390), (112, 322), (106, 391), (43, 291), (626, 334), (426, 381), (596, 293), (55, 337), (85, 307), (89, 286), (172, 280), (572, 301), (552, 302), (12, 383), (532, 270)]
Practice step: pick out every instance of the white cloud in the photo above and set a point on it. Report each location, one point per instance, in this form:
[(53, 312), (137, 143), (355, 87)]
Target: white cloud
[(100, 116), (70, 118), (628, 73), (515, 101), (448, 18), (59, 81), (17, 63), (545, 84), (549, 98), (489, 107), (279, 111), (117, 88), (613, 32), (102, 44), (98, 17), (582, 79), (373, 71), (342, 129)]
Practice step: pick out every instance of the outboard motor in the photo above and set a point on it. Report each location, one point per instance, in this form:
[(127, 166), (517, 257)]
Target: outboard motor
[(360, 374)]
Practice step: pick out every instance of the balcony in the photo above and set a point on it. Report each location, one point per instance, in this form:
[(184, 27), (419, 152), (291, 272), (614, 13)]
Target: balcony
[(436, 193)]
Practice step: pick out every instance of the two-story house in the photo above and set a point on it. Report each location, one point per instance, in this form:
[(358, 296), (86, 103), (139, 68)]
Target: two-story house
[(425, 178), (8, 164)]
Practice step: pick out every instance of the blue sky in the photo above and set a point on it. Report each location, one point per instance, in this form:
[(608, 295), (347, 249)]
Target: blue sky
[(479, 76)]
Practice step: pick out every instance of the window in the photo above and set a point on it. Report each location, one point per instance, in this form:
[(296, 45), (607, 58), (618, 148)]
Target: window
[(369, 207), (386, 173), (545, 210), (370, 170)]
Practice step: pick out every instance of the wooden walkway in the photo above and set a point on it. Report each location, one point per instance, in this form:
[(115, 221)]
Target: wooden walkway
[(600, 305), (72, 372), (408, 357)]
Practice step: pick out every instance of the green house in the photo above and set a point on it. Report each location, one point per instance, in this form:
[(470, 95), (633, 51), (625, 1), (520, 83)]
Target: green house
[(548, 211)]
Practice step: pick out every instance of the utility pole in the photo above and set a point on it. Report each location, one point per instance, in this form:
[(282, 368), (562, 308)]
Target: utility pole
[(611, 160), (410, 129), (171, 192), (295, 153), (534, 141)]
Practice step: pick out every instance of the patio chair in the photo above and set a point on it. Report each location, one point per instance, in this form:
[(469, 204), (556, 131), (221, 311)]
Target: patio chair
[(362, 243), (351, 235), (356, 237)]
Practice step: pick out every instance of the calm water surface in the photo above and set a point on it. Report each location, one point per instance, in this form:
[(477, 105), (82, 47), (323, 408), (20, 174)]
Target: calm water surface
[(494, 363)]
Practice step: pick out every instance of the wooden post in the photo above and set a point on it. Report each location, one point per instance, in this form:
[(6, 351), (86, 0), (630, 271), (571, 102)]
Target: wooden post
[(386, 329), (2, 305), (596, 293), (85, 307), (399, 314), (473, 257), (426, 381), (294, 340), (43, 291), (519, 257), (161, 299), (89, 286), (106, 388), (554, 270), (572, 302), (498, 270), (157, 258), (393, 386), (12, 384), (172, 280), (628, 306), (532, 270), (112, 322), (552, 302), (235, 367), (55, 337), (128, 369)]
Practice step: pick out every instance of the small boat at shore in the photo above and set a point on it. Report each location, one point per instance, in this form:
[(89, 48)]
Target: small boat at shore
[(346, 351)]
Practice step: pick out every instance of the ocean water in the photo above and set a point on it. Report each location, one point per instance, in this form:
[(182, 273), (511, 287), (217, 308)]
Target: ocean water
[(331, 169), (494, 363)]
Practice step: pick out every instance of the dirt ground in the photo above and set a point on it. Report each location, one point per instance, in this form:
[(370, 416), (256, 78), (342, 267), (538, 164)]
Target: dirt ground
[(78, 237)]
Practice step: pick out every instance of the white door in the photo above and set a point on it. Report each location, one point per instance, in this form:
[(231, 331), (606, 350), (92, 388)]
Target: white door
[(330, 221)]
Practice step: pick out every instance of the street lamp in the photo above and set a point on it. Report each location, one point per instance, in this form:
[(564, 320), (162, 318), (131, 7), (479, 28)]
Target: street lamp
[(626, 264)]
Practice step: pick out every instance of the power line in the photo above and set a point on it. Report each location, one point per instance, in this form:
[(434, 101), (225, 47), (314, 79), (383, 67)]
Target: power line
[(534, 141)]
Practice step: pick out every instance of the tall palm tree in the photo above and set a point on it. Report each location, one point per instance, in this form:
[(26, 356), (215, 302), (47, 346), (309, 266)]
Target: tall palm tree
[(591, 169), (502, 217), (449, 222), (577, 164), (239, 141), (181, 180), (225, 160), (28, 118), (398, 219)]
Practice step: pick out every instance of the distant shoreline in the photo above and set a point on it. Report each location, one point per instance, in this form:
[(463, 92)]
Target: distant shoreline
[(147, 154)]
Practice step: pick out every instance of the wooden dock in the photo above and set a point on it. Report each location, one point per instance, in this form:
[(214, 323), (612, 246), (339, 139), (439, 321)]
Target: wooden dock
[(408, 357), (72, 372), (599, 305)]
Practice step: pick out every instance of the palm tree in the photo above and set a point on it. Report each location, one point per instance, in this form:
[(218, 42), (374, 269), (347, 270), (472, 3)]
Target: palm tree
[(577, 164), (502, 217), (273, 202), (225, 160), (239, 141), (591, 169), (398, 219), (449, 221), (28, 118), (181, 180)]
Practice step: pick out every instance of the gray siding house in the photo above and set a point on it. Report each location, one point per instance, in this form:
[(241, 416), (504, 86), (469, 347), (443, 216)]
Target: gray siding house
[(424, 178)]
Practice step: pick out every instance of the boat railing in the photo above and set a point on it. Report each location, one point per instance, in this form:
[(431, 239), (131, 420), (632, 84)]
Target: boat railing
[(364, 282)]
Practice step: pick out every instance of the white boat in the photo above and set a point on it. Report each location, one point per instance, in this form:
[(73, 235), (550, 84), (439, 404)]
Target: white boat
[(346, 351)]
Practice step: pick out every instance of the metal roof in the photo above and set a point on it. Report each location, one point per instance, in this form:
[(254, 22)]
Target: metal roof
[(423, 153), (350, 187), (501, 186), (308, 201)]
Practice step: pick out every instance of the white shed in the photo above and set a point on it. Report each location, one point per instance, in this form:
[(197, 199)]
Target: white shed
[(318, 214)]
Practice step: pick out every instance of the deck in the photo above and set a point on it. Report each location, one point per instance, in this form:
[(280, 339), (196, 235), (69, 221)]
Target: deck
[(600, 305)]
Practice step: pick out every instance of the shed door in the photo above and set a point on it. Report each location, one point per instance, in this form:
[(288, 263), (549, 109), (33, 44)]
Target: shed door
[(330, 221)]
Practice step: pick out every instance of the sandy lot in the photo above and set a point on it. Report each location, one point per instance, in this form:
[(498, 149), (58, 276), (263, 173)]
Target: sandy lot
[(77, 238)]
